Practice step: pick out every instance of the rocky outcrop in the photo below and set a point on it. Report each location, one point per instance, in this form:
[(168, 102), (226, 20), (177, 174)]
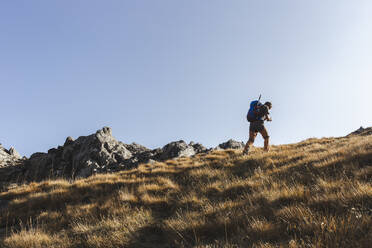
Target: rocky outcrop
[(177, 149), (8, 157), (362, 131), (99, 152), (199, 148), (136, 148), (96, 153), (181, 149), (10, 168), (231, 144)]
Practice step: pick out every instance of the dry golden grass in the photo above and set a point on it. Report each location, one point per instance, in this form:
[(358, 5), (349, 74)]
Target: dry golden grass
[(317, 193)]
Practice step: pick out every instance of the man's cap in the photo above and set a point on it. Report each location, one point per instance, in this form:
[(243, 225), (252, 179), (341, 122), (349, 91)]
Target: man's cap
[(268, 104)]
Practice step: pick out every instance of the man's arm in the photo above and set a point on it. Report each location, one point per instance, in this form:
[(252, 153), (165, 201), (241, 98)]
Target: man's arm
[(267, 114)]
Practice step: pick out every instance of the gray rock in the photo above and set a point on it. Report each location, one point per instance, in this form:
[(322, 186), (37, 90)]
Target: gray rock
[(69, 141), (177, 149), (9, 157), (135, 148), (362, 131), (14, 153), (83, 157), (155, 154), (89, 168), (87, 155), (188, 152), (199, 148), (231, 144)]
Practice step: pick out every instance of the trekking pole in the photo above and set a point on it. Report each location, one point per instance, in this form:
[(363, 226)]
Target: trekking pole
[(259, 98)]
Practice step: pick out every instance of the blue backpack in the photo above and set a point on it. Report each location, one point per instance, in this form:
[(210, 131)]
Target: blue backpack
[(254, 111)]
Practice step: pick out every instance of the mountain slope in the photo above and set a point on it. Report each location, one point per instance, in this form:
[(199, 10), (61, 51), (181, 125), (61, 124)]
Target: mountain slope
[(316, 193)]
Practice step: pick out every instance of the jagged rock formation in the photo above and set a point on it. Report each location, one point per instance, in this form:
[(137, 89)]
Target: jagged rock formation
[(10, 162), (87, 155), (99, 152), (8, 157), (96, 153), (362, 131)]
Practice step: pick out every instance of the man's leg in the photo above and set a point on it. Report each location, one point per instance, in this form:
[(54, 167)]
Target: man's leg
[(252, 136), (266, 137)]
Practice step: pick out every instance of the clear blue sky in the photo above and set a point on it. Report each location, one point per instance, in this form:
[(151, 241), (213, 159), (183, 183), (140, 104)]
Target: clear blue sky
[(159, 71)]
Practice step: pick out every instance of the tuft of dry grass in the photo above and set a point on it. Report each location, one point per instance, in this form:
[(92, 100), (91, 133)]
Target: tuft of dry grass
[(316, 193), (32, 239)]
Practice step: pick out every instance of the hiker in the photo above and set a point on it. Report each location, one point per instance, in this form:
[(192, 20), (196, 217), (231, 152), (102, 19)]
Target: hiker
[(257, 114)]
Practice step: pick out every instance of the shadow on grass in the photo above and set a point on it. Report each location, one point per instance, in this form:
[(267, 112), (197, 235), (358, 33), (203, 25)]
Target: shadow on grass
[(215, 228)]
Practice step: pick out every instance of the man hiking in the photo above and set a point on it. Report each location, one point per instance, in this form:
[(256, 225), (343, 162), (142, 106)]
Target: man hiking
[(257, 114)]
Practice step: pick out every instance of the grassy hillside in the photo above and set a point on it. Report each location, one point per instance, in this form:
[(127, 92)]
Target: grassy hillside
[(316, 193)]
